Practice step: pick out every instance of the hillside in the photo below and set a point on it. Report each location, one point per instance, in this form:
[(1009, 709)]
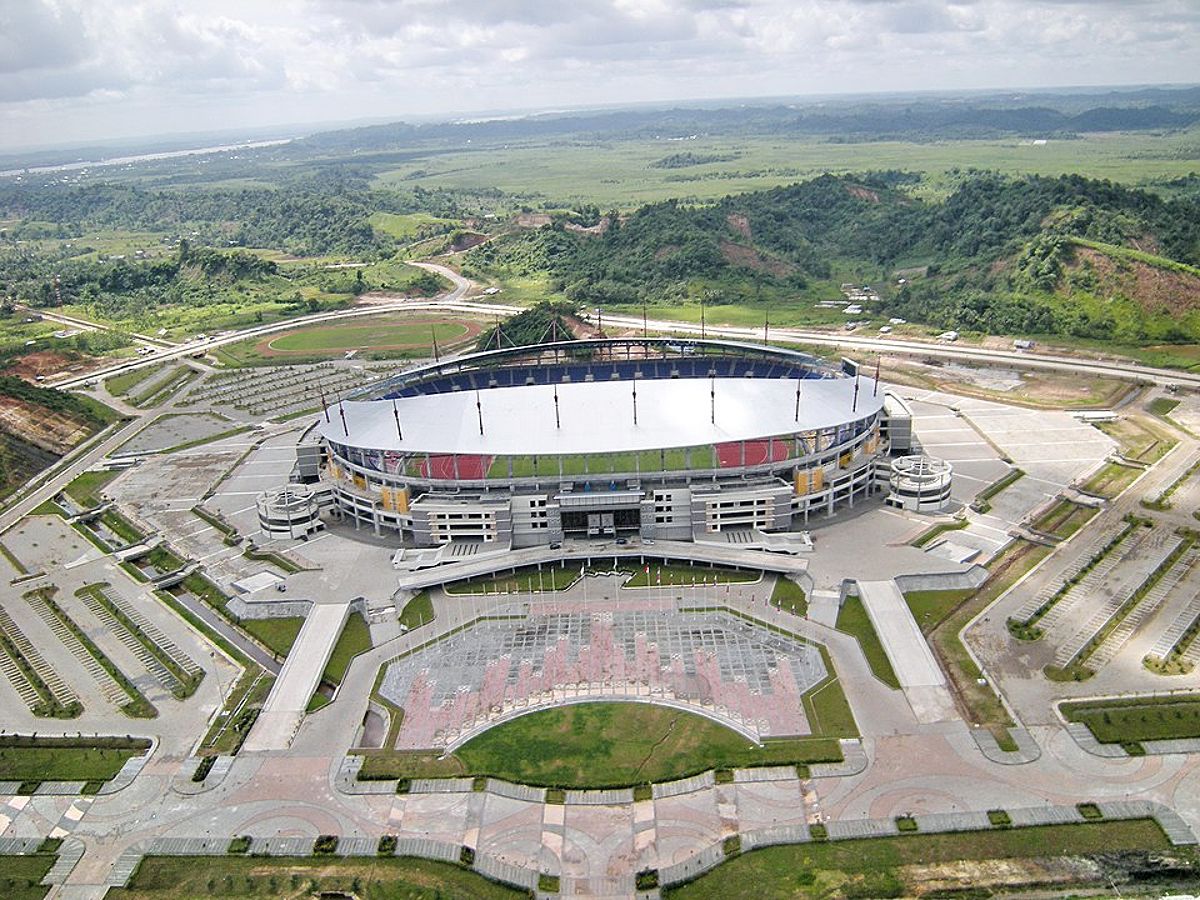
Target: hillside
[(1068, 256)]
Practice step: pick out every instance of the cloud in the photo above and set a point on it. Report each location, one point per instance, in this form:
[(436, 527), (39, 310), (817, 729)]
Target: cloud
[(228, 62)]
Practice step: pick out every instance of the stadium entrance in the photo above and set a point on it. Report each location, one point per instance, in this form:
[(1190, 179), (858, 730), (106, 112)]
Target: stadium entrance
[(599, 515)]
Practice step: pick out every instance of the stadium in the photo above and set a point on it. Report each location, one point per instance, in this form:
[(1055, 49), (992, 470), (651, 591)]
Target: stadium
[(649, 437)]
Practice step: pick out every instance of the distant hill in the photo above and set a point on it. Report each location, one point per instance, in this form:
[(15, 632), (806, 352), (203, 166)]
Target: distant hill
[(915, 117), (1070, 255)]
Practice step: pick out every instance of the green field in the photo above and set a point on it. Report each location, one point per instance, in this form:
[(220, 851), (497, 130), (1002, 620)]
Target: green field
[(1133, 721), (619, 173), (65, 759), (20, 876), (355, 639), (409, 226), (296, 878), (85, 489), (377, 335), (853, 619), (527, 578), (879, 867), (417, 612), (789, 596), (931, 608), (278, 634), (606, 745)]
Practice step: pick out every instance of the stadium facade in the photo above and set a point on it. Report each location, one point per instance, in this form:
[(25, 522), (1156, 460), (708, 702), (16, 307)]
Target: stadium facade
[(648, 437)]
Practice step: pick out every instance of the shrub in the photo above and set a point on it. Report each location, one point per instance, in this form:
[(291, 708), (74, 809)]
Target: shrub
[(646, 880), (325, 845), (387, 845), (239, 845)]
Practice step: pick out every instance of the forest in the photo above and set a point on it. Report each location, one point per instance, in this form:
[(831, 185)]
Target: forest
[(1000, 254)]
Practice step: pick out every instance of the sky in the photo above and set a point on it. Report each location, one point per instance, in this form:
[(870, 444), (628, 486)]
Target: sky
[(75, 71)]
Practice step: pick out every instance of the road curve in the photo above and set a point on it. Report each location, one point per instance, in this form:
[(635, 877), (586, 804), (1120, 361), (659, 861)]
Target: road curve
[(454, 301)]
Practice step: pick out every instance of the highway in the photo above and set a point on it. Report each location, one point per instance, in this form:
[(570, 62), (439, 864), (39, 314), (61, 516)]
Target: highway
[(453, 301)]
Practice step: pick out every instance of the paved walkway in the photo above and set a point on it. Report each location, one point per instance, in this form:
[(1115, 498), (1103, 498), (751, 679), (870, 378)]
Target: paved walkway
[(281, 714), (921, 679)]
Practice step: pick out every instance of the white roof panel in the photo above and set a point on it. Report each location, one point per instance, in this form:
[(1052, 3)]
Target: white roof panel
[(597, 417)]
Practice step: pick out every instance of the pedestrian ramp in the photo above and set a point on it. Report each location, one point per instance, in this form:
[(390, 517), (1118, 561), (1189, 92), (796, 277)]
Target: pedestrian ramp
[(281, 715), (919, 675)]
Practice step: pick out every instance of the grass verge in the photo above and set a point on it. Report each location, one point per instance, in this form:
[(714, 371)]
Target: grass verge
[(853, 620), (31, 758), (602, 745), (892, 867), (234, 876)]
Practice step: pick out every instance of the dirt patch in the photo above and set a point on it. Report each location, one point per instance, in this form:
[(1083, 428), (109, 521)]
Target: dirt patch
[(999, 873), (466, 241), (740, 223), (51, 431), (580, 328), (863, 193), (1155, 290), (48, 363), (533, 220), (597, 229), (748, 257), (664, 251)]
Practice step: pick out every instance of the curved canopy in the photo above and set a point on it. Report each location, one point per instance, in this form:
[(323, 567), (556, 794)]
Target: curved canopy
[(598, 417)]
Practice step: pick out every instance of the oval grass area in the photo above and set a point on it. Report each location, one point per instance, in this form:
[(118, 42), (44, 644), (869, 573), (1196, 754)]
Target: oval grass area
[(593, 745), (380, 335)]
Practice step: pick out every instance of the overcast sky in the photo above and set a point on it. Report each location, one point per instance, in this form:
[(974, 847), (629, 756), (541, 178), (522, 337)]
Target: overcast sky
[(81, 70)]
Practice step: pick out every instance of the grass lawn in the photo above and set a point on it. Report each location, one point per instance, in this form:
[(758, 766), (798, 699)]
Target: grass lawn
[(278, 634), (20, 876), (417, 612), (1064, 518), (621, 744), (1110, 480), (85, 489), (65, 759), (874, 867), (355, 639), (1139, 438), (377, 335), (983, 706), (122, 384), (1136, 720), (369, 878), (931, 608), (605, 745), (524, 579), (853, 619), (789, 596), (668, 574), (927, 536), (1162, 406)]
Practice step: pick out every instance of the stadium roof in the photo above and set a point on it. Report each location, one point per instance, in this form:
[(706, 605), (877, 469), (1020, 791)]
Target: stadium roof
[(597, 417)]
